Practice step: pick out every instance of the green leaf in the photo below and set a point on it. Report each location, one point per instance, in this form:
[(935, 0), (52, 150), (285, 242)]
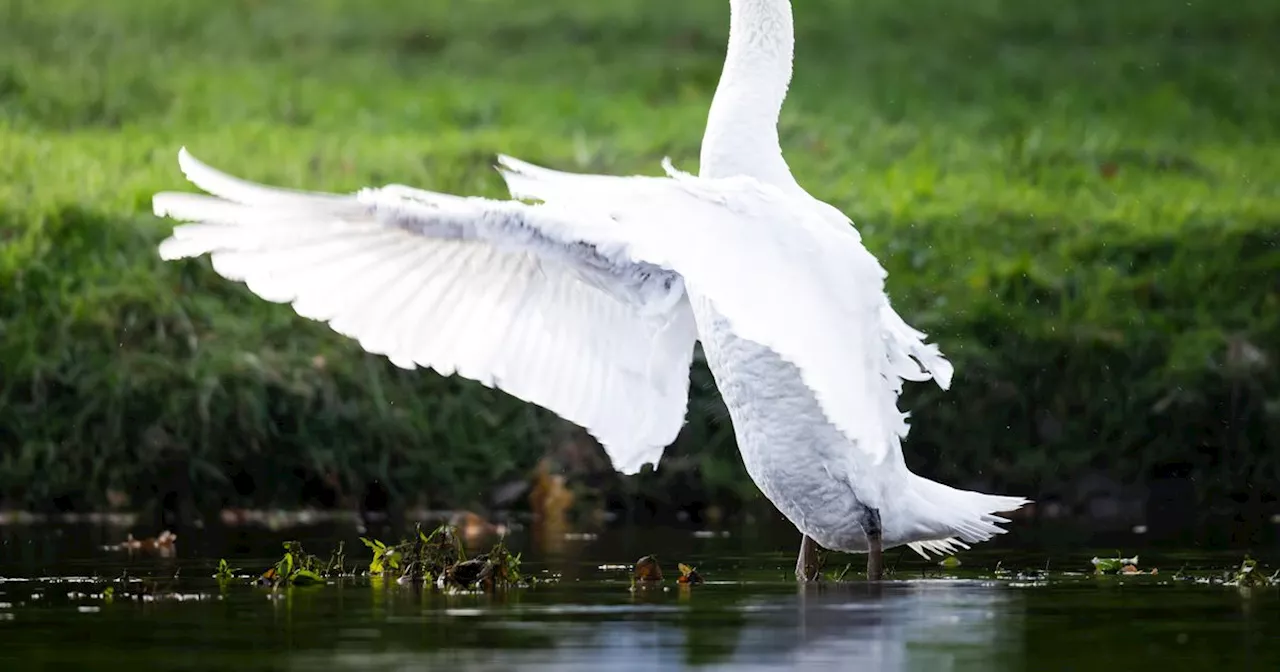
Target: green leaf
[(306, 577)]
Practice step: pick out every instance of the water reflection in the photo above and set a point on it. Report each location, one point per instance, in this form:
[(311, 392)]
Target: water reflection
[(932, 625), (749, 616)]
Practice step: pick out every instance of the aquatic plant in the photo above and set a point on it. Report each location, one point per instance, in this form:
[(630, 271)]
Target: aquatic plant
[(441, 558), (1249, 576), (299, 568), (1113, 565), (688, 575), (224, 572)]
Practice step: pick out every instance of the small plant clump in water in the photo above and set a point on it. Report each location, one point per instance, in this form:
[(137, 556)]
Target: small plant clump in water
[(837, 577), (141, 589), (1248, 576), (688, 575), (299, 568), (224, 572), (647, 574), (441, 557), (1118, 565)]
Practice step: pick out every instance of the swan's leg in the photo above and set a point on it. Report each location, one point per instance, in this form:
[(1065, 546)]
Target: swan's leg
[(875, 549), (807, 563)]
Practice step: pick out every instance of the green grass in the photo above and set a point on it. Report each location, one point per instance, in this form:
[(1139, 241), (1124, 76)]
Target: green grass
[(1079, 201)]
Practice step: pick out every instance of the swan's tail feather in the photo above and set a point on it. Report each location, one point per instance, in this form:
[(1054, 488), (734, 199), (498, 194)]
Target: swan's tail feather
[(953, 519), (941, 547)]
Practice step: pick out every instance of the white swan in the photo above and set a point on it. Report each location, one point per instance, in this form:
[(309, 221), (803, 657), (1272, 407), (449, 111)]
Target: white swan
[(589, 305), (850, 487)]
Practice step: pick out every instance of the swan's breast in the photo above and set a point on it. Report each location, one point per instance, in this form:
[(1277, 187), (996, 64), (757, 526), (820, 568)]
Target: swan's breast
[(796, 457)]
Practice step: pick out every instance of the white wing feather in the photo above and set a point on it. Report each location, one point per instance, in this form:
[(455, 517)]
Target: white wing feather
[(514, 296), (783, 277), (772, 264)]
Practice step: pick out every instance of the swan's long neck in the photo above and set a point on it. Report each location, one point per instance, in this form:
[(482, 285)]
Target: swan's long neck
[(742, 128)]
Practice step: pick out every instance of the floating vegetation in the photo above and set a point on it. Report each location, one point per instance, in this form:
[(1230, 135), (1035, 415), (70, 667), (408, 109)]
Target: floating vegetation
[(1118, 565), (1025, 578), (299, 568), (1248, 576), (224, 573), (688, 575), (145, 594), (124, 588), (441, 558), (496, 569)]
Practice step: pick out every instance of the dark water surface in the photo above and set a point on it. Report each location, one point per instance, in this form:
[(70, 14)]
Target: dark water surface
[(748, 615)]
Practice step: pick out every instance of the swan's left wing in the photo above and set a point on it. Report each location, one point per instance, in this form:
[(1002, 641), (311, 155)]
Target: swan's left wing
[(528, 299)]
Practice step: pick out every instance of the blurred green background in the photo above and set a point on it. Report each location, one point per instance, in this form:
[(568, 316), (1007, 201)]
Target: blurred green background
[(1079, 201)]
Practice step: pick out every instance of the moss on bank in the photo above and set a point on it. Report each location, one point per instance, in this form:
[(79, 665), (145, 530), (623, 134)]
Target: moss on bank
[(1080, 203)]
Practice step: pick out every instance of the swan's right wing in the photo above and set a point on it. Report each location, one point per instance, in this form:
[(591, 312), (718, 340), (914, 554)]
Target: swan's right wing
[(532, 301), (913, 358), (777, 270)]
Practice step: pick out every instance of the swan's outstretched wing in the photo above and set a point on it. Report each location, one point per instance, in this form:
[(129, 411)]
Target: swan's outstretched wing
[(780, 274), (905, 343), (910, 357), (540, 304)]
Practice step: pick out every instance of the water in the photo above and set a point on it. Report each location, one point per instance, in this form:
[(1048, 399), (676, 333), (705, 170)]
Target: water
[(747, 616)]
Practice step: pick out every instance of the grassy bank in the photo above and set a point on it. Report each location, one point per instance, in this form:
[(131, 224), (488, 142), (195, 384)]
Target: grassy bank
[(1080, 202)]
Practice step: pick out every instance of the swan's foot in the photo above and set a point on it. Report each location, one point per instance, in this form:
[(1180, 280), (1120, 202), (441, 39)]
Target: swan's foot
[(807, 563), (875, 547)]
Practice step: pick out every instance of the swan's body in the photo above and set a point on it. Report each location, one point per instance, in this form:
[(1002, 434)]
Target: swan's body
[(589, 305), (826, 484)]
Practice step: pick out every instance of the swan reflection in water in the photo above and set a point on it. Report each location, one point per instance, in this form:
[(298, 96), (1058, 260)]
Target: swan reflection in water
[(923, 625)]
